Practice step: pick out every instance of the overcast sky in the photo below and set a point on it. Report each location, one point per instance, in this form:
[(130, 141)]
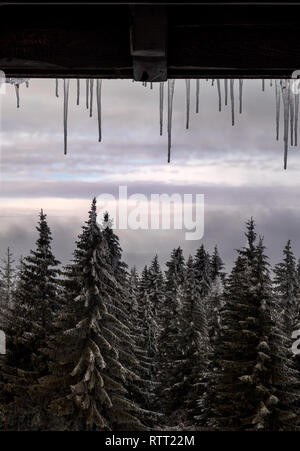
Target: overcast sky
[(238, 169)]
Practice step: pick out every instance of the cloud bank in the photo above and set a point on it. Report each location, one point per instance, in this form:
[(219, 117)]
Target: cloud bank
[(239, 169)]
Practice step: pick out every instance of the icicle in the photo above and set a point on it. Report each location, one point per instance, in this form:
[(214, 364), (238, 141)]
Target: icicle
[(78, 90), (66, 101), (263, 84), (171, 84), (56, 87), (277, 97), (241, 94), (296, 118), (17, 88), (232, 99), (197, 95), (188, 101), (212, 81), (98, 91), (271, 82), (161, 106), (27, 83), (87, 93), (151, 85), (286, 105), (219, 93), (91, 96), (291, 99), (226, 90)]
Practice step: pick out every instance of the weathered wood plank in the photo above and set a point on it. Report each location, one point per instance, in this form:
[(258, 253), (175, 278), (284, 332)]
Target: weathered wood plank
[(148, 42), (90, 41)]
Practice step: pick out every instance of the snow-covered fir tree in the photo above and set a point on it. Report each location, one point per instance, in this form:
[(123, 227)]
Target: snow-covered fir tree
[(143, 392), (214, 303), (298, 271), (151, 299), (203, 271), (28, 324), (155, 286), (249, 250), (143, 282), (18, 272), (252, 352), (279, 407), (87, 380), (217, 266), (133, 292), (7, 279), (193, 328), (148, 323), (287, 286), (131, 349), (145, 328), (169, 340)]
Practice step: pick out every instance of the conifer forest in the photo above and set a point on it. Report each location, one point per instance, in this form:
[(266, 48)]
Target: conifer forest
[(184, 345)]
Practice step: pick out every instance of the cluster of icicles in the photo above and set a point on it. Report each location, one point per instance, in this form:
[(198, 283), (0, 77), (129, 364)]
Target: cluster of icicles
[(283, 89)]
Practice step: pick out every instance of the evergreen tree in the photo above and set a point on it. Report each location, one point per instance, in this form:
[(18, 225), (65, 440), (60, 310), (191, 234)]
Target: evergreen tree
[(287, 286), (114, 258), (193, 329), (169, 339), (7, 272), (206, 396), (151, 300), (18, 273), (133, 293), (203, 271), (28, 324), (87, 376), (155, 286), (149, 328), (142, 392), (215, 303), (249, 251), (204, 279), (130, 349), (145, 327), (216, 265), (278, 408), (298, 271), (296, 322), (144, 281), (253, 363)]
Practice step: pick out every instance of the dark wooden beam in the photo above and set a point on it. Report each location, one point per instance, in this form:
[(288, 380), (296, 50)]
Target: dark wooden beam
[(148, 42), (94, 41)]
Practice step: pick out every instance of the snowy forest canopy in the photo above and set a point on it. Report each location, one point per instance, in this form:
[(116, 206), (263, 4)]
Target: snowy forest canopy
[(96, 346)]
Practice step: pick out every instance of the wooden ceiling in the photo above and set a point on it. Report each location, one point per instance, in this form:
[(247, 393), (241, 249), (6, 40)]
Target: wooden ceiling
[(149, 42)]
